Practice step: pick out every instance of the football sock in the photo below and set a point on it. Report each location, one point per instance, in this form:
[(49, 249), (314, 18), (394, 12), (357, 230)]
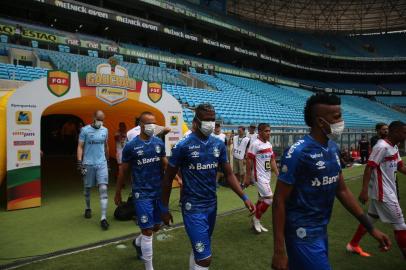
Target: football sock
[(146, 248), (103, 200), (87, 197), (361, 231), (261, 206)]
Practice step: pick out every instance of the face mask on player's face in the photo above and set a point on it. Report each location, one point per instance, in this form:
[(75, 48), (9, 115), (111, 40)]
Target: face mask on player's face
[(149, 129), (335, 131), (97, 123), (206, 127)]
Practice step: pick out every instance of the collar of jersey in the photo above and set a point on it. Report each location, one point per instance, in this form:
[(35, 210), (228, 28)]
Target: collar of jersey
[(145, 142), (200, 140), (319, 144)]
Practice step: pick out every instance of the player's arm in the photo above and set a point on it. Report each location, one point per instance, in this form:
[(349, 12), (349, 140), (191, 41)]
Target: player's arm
[(235, 186), (106, 150), (167, 180), (79, 151), (248, 168), (274, 167), (363, 195), (402, 169), (347, 199), (282, 193), (123, 174)]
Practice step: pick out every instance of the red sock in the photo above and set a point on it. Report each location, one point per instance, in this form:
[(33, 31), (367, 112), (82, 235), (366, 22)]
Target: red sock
[(361, 231), (400, 237), (261, 209)]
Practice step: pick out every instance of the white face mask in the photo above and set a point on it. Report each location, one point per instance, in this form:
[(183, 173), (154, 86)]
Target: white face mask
[(207, 127), (149, 129), (97, 124), (336, 131)]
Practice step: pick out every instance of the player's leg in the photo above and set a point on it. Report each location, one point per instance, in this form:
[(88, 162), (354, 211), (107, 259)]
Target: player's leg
[(102, 181), (199, 227), (263, 203), (143, 243), (308, 255), (392, 213), (89, 180), (241, 170), (236, 170), (354, 246)]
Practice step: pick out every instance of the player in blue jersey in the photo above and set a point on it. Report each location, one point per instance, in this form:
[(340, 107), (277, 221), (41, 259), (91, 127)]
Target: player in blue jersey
[(146, 158), (307, 186), (198, 157), (92, 157)]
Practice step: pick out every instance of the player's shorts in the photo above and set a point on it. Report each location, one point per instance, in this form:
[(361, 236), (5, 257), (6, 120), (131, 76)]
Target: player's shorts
[(264, 188), (96, 175), (239, 166), (119, 156), (388, 212), (199, 227), (148, 213), (309, 254)]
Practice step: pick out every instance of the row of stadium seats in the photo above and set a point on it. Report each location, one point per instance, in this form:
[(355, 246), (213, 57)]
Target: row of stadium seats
[(21, 73), (393, 101)]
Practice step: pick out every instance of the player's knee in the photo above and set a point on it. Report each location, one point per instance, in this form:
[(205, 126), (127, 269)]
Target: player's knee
[(204, 263), (267, 200), (103, 191), (147, 232)]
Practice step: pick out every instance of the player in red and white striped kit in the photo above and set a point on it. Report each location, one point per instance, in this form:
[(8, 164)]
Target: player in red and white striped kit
[(261, 159), (379, 184)]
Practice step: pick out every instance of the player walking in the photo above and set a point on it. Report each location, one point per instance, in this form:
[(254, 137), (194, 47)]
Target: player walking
[(92, 157), (379, 184), (198, 157), (309, 181), (145, 157), (261, 158)]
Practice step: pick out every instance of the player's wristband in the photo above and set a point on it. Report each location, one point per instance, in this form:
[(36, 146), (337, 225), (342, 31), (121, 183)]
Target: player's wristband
[(244, 197)]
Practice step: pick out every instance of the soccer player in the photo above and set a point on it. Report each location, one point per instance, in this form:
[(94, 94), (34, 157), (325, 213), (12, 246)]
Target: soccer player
[(261, 158), (379, 184), (120, 139), (363, 148), (135, 131), (92, 158), (381, 133), (309, 181), (145, 157), (198, 156), (240, 146)]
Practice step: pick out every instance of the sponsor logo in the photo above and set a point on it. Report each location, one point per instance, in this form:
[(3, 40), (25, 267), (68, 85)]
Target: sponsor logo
[(24, 133), (199, 247), (320, 165), (200, 166), (158, 149), (23, 117), (20, 143), (23, 155), (147, 160), (112, 83), (194, 154), (140, 152), (216, 152), (325, 181), (188, 206), (301, 232), (194, 147), (144, 219), (174, 120), (293, 147), (314, 156), (155, 93), (58, 82)]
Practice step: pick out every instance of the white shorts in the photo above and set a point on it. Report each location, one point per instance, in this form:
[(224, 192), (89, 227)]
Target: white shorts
[(264, 189), (388, 212)]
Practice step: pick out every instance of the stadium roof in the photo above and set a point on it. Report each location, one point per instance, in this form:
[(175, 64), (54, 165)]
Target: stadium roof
[(324, 15)]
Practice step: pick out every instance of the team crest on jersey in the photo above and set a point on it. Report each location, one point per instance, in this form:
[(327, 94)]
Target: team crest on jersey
[(301, 232), (216, 152), (284, 169), (140, 152), (144, 219), (195, 154), (158, 149), (136, 195), (188, 206), (199, 247)]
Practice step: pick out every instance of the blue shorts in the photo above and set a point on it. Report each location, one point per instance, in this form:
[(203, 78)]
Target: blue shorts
[(199, 227), (309, 254), (148, 213), (96, 175)]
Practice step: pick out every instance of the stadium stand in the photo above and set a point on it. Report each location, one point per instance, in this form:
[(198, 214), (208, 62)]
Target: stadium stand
[(392, 101)]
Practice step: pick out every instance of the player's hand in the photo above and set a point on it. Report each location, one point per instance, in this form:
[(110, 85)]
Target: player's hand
[(363, 196), (117, 198), (81, 168), (247, 181), (384, 242), (167, 218), (250, 206), (279, 261)]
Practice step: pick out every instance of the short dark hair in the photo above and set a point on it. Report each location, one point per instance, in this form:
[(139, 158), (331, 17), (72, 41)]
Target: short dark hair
[(204, 107), (262, 126), (379, 126), (144, 114), (137, 121), (217, 124), (395, 125), (242, 127), (319, 98)]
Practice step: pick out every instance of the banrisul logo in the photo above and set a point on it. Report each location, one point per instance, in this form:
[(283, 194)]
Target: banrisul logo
[(58, 82)]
